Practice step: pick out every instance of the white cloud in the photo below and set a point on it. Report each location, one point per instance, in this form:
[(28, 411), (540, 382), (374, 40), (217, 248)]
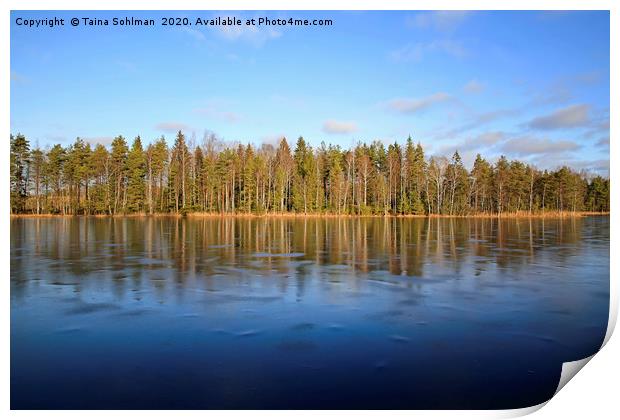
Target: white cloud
[(557, 94), (489, 138), (529, 146), (412, 105), (569, 117), (172, 127), (416, 51), (339, 127), (589, 78), (104, 141), (600, 166), (56, 138), (194, 33), (254, 35), (214, 111), (476, 122), (273, 139), (473, 86), (251, 34), (476, 143), (598, 127), (441, 20), (603, 141)]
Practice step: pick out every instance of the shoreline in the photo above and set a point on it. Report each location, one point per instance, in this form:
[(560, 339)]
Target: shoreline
[(199, 215)]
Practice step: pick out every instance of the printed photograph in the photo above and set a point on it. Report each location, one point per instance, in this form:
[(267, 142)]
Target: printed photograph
[(308, 210)]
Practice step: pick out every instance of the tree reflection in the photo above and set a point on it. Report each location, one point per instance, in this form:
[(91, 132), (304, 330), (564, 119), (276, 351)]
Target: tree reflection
[(159, 250)]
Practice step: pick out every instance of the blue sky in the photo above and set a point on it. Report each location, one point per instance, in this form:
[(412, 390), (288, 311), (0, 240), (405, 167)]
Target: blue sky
[(530, 85)]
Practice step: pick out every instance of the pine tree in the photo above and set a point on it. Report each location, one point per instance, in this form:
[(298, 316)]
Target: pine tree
[(300, 184), (199, 179), (283, 176), (363, 171), (481, 174), (136, 170), (56, 159), (77, 174), (362, 180), (20, 155), (179, 160), (99, 169), (158, 164), (37, 175), (501, 177), (419, 180), (458, 180), (118, 174)]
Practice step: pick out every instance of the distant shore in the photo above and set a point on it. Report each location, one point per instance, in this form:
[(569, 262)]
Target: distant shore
[(507, 215)]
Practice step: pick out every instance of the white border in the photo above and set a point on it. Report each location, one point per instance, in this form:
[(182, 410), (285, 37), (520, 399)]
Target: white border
[(593, 394)]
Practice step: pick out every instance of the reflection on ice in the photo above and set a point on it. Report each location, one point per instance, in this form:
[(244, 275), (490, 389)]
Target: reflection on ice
[(302, 313)]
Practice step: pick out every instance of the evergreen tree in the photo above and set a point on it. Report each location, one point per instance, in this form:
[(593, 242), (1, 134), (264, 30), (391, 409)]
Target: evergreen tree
[(367, 179), (249, 180), (304, 165), (20, 155), (99, 169), (481, 175), (501, 177), (283, 176), (179, 160), (136, 169), (419, 180), (56, 159), (77, 172), (458, 185), (118, 174), (37, 175), (158, 164), (597, 198), (198, 191)]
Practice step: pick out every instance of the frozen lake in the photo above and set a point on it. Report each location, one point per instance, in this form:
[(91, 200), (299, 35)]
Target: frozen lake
[(312, 313)]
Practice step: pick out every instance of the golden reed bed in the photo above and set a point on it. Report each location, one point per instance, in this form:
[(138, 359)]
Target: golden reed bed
[(524, 214)]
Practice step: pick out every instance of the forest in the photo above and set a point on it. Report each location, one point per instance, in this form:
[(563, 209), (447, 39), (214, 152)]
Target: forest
[(216, 177)]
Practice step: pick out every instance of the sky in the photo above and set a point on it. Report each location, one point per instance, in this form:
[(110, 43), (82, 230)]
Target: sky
[(532, 86)]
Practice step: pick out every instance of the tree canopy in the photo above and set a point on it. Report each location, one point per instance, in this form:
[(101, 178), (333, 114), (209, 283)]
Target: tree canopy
[(215, 177)]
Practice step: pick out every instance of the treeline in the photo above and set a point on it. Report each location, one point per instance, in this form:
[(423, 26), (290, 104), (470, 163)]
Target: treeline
[(219, 178)]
